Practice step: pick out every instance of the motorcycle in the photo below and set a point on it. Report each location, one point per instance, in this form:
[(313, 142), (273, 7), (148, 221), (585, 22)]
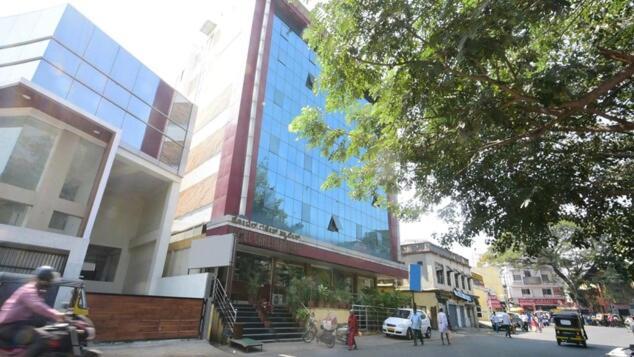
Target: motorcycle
[(69, 338), (329, 333)]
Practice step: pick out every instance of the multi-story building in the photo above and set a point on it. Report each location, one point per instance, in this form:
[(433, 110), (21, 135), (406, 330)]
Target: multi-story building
[(251, 188), (532, 288), (446, 283), (91, 150), (489, 289)]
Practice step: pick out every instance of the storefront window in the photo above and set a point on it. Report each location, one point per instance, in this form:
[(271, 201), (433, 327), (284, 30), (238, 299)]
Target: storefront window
[(284, 274), (365, 283), (252, 277), (25, 146), (322, 276), (343, 281)]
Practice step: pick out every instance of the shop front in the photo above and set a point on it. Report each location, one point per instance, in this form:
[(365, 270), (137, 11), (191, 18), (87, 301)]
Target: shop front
[(459, 307), (258, 277), (537, 304)]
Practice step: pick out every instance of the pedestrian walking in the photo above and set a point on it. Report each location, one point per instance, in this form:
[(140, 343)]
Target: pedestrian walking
[(443, 326), (353, 330), (506, 323), (417, 323), (530, 321), (494, 322), (540, 323)]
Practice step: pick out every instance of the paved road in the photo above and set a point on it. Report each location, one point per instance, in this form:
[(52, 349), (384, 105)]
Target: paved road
[(483, 343)]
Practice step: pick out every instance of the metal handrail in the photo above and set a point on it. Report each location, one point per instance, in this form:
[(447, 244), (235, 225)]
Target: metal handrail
[(228, 313)]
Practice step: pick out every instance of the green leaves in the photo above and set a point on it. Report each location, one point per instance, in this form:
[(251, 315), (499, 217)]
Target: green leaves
[(520, 112)]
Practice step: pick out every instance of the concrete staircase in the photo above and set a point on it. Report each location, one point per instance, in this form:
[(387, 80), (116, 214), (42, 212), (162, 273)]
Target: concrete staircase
[(282, 325)]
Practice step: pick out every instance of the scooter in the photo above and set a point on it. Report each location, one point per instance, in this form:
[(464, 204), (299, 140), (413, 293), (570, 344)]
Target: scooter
[(69, 338)]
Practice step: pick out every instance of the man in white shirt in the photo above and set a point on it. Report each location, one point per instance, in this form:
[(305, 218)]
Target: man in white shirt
[(506, 322), (417, 323), (443, 326)]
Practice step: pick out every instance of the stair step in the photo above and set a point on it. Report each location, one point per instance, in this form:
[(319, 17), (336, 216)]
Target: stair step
[(288, 329)]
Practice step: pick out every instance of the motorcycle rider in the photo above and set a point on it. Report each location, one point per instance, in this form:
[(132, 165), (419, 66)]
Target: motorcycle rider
[(19, 314)]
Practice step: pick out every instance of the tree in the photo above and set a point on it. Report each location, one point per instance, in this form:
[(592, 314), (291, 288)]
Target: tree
[(576, 267), (267, 208), (520, 112)]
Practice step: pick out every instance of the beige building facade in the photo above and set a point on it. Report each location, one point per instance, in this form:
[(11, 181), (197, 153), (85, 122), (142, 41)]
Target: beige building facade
[(446, 283)]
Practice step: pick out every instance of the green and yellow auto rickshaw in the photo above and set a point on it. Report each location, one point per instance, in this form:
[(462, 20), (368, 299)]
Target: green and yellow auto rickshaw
[(569, 328)]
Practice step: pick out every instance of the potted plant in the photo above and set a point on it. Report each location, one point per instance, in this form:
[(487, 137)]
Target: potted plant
[(253, 287)]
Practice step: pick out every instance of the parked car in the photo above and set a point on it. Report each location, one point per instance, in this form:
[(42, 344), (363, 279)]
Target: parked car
[(516, 321), (400, 324)]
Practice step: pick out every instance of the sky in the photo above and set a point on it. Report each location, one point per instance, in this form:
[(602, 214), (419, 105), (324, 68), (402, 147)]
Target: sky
[(161, 34)]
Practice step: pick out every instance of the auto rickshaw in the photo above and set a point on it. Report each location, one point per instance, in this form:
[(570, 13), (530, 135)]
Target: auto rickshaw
[(9, 282), (569, 327)]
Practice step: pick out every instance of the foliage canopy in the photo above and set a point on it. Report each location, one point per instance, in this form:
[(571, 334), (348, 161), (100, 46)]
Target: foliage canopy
[(520, 112)]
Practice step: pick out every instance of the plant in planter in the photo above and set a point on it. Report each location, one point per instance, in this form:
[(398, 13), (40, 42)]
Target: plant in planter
[(301, 293), (324, 295), (253, 287), (342, 298)]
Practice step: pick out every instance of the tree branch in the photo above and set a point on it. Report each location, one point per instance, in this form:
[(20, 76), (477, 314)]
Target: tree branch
[(607, 85), (617, 55)]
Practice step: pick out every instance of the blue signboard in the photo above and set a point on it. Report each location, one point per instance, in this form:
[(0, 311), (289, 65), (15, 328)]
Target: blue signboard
[(415, 277)]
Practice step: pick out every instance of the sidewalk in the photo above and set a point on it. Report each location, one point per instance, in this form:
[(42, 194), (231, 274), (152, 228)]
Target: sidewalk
[(163, 348)]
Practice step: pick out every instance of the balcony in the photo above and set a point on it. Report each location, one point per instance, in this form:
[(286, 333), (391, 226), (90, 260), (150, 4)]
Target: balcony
[(532, 280)]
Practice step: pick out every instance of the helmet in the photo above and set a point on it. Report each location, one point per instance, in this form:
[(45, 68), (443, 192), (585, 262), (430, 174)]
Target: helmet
[(46, 274)]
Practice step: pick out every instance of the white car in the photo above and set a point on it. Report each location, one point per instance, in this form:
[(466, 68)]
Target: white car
[(400, 324)]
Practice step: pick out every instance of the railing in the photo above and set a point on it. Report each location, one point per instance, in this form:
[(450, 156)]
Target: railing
[(371, 317), (532, 280), (227, 312)]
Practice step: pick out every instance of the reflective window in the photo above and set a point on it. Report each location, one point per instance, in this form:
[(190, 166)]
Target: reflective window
[(125, 69), (22, 28), (110, 113), (175, 132), (289, 175), (91, 77), (6, 25), (12, 74), (101, 51), (146, 84), (29, 26), (74, 30), (180, 111), (13, 213), (171, 153), (24, 52), (48, 21), (139, 108), (62, 58), (133, 131), (117, 94), (82, 173), (83, 97), (25, 145), (64, 223)]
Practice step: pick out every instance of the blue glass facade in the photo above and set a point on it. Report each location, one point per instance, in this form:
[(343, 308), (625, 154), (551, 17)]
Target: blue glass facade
[(62, 51), (289, 175)]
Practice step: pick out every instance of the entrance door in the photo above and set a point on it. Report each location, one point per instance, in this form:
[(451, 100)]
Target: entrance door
[(284, 273), (434, 317), (453, 315), (463, 320), (251, 278)]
